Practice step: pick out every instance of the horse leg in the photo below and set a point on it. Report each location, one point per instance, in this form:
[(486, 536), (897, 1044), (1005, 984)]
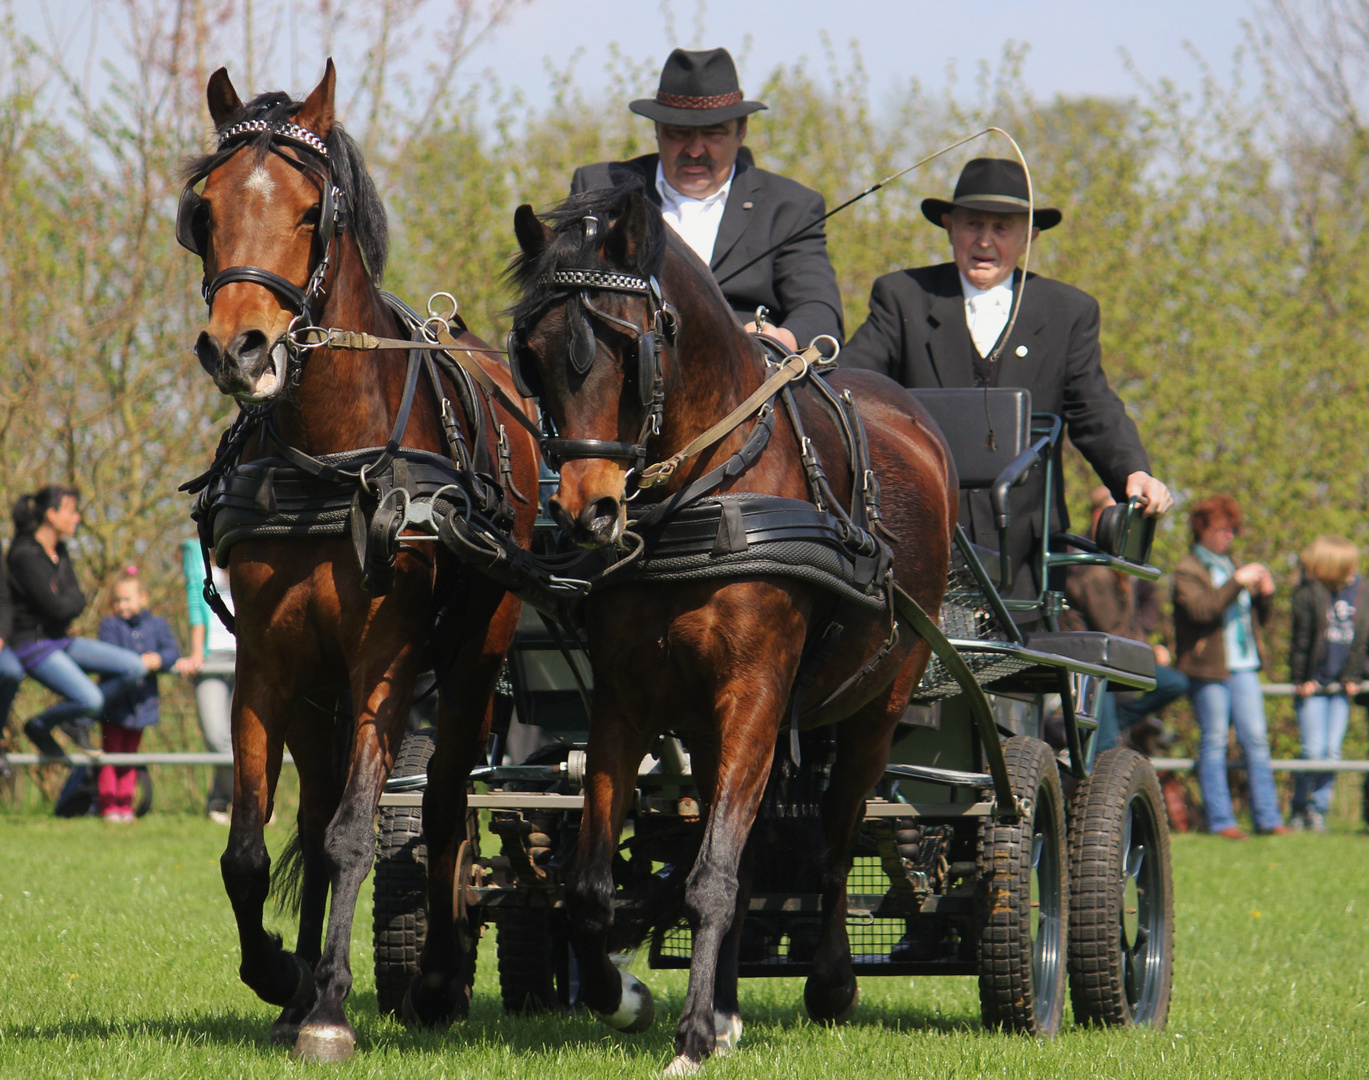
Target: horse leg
[(747, 721), (381, 699), (727, 1019), (440, 992), (616, 749), (312, 741), (274, 975), (863, 741)]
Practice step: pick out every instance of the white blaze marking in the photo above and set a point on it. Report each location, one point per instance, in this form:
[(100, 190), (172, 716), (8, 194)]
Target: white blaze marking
[(260, 183)]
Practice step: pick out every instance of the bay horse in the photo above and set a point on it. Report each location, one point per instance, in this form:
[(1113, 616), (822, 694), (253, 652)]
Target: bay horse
[(603, 281), (290, 229)]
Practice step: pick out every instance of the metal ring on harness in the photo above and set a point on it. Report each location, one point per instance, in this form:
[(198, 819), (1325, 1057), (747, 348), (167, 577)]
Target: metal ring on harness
[(433, 314)]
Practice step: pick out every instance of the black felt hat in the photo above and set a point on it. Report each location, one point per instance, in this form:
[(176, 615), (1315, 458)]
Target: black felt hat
[(697, 89), (995, 184)]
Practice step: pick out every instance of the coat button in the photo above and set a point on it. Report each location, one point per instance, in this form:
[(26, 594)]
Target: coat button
[(1021, 350), (748, 205)]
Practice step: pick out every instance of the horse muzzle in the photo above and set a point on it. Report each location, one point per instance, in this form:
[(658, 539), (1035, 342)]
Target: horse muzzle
[(599, 523), (251, 369)]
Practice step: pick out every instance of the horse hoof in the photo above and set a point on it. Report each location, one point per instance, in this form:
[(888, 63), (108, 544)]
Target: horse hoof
[(324, 1042), (636, 1011), (285, 1031), (727, 1032), (428, 1007), (831, 1006), (682, 1066)]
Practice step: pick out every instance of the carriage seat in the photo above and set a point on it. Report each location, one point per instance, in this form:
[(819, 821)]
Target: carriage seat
[(967, 414)]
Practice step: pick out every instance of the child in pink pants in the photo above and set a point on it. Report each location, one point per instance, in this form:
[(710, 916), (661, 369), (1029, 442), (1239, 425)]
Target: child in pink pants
[(126, 715)]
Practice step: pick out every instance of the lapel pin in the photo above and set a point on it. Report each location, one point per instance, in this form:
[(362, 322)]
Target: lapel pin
[(747, 205), (1021, 350)]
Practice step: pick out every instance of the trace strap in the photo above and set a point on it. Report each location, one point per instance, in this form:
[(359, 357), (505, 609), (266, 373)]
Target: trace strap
[(796, 367)]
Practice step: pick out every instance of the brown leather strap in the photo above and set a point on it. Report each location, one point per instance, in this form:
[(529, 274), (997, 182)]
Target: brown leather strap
[(795, 367)]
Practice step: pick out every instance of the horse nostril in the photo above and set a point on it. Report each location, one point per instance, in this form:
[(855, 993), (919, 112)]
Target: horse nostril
[(559, 515), (599, 519), (208, 352), (249, 350)]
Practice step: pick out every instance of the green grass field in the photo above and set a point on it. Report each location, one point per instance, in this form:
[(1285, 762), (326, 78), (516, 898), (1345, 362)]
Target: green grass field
[(118, 959)]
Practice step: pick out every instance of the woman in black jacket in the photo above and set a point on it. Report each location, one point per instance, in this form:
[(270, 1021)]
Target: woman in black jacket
[(46, 597), (1327, 664)]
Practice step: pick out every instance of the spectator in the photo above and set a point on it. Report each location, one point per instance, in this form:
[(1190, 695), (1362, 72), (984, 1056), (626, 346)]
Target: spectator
[(126, 716), (1106, 600), (11, 670), (1218, 613), (46, 598), (213, 654), (1330, 633)]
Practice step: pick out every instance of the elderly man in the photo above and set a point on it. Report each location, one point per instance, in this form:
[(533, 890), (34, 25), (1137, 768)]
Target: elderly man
[(727, 210), (943, 326)]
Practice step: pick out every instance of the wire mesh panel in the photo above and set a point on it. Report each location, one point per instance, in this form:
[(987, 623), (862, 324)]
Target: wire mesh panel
[(967, 614)]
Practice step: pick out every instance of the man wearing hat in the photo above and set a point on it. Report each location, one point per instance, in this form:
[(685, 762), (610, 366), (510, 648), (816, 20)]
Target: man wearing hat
[(727, 210), (944, 326)]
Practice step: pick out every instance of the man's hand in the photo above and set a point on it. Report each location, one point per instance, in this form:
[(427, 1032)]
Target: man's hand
[(779, 333), (1162, 656), (1156, 495)]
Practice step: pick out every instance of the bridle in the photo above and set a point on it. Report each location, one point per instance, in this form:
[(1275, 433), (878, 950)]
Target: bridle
[(333, 215), (662, 329)]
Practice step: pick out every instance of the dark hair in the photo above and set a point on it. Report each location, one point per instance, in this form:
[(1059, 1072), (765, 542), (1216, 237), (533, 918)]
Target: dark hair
[(30, 511), (366, 213), (1215, 510)]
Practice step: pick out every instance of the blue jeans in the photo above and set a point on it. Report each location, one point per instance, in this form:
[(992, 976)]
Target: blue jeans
[(65, 673), (1219, 705), (1114, 717), (11, 675), (1322, 719)]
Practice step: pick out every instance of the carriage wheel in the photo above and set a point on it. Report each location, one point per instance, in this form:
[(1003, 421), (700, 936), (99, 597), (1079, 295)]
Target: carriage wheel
[(400, 912), (1121, 939), (1024, 900)]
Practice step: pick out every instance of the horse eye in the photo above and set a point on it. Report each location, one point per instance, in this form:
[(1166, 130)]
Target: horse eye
[(312, 215)]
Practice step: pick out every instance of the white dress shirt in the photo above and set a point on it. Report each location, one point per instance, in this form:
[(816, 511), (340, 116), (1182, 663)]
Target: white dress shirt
[(696, 220), (986, 312)]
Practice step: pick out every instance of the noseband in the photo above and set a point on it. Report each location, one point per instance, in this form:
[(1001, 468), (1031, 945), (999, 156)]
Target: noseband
[(663, 324), (190, 224)]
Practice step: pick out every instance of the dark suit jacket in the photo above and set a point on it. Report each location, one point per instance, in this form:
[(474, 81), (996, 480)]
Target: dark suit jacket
[(916, 334), (797, 282)]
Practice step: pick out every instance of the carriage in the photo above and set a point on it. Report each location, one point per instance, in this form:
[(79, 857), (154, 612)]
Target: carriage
[(376, 503), (1089, 901)]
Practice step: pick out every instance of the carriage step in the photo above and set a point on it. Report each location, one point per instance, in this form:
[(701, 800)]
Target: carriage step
[(939, 776)]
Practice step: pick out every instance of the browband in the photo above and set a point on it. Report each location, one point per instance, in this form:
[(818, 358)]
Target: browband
[(293, 132)]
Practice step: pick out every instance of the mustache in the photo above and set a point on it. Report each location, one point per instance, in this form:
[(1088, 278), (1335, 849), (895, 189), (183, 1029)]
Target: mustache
[(688, 159)]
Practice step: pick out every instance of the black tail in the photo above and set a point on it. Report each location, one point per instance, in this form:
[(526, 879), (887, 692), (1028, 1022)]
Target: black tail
[(287, 877)]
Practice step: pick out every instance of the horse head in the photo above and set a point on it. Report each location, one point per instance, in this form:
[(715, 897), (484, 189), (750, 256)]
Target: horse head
[(273, 226), (595, 340)]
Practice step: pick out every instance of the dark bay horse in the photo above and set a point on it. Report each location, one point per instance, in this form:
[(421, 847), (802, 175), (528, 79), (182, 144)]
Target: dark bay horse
[(714, 660), (289, 226)]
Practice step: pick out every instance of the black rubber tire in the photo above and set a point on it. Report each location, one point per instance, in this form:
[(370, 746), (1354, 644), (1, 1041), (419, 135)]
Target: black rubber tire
[(1121, 939), (400, 898), (527, 962), (1022, 940)]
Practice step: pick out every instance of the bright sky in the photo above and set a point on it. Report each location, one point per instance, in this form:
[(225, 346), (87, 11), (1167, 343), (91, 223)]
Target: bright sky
[(1076, 46)]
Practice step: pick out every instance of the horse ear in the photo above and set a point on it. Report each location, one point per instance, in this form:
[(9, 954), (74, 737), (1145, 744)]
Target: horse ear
[(533, 236), (316, 113), (224, 103), (628, 235)]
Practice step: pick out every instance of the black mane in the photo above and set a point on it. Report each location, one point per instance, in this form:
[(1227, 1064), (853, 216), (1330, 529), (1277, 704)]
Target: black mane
[(531, 275), (365, 211)]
